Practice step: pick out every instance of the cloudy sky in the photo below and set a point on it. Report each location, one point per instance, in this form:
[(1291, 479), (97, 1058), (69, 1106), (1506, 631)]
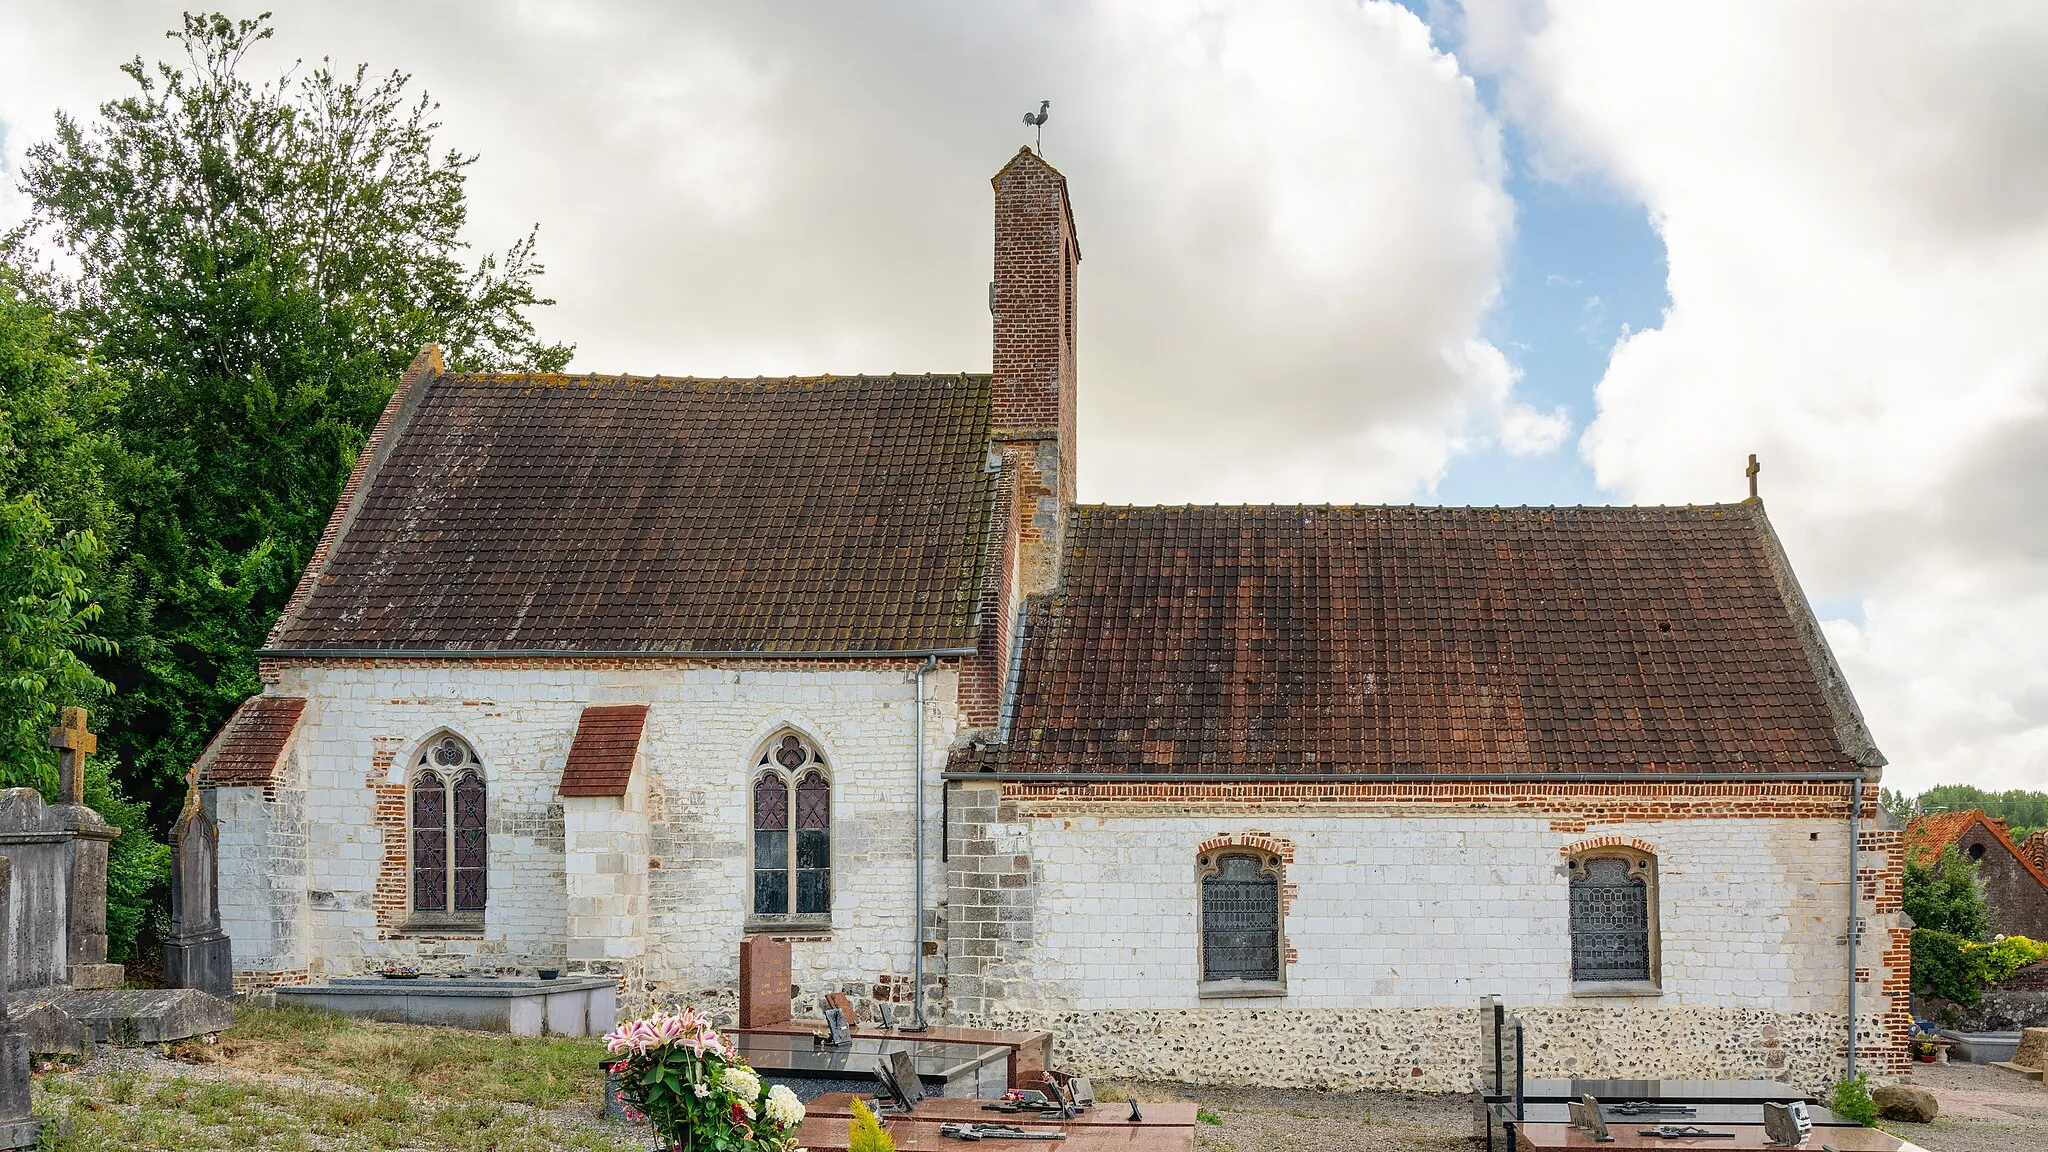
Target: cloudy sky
[(1336, 250)]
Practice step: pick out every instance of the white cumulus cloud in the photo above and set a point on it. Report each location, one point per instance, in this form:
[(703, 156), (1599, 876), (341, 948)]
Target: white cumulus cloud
[(1291, 211), (1854, 198)]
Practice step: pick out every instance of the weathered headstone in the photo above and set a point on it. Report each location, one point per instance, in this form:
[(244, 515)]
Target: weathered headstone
[(18, 1129), (86, 892), (197, 955), (34, 839)]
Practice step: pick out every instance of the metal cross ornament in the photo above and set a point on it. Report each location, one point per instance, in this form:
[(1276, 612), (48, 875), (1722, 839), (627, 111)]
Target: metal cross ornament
[(73, 743)]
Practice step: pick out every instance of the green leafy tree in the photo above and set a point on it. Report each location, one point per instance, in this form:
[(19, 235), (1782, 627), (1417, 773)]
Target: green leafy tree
[(259, 262), (1902, 807), (2023, 812), (46, 612), (57, 465), (1946, 895)]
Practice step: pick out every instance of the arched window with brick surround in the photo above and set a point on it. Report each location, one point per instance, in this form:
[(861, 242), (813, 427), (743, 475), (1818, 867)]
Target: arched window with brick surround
[(1240, 921), (791, 801), (1614, 916), (450, 859)]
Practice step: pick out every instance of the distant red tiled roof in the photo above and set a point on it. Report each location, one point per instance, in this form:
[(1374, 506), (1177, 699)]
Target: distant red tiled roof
[(244, 753), (1928, 836), (1390, 640), (633, 514), (601, 757), (2035, 850)]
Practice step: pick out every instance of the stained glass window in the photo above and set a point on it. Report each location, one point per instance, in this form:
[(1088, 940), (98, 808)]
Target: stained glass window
[(429, 844), (1241, 919), (1610, 919), (771, 845), (792, 841), (450, 831)]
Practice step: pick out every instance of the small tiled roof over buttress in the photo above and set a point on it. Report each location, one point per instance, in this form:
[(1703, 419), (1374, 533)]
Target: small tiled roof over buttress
[(1382, 640), (630, 515), (601, 757), (244, 753)]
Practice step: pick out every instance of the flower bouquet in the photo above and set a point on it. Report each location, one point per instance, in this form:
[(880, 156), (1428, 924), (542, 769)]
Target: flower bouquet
[(688, 1081)]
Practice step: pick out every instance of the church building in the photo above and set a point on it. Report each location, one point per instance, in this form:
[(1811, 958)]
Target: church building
[(602, 673)]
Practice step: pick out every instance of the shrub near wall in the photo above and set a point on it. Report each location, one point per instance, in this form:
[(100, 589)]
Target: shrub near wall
[(1959, 970)]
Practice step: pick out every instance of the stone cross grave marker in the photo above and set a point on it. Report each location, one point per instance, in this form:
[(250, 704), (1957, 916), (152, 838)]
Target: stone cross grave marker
[(74, 743), (198, 954), (86, 892)]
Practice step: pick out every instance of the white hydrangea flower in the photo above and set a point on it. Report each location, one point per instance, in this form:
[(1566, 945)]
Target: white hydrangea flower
[(742, 1083), (783, 1107)]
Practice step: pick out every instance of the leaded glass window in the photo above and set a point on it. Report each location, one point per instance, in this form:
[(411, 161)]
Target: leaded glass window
[(1611, 918), (450, 835), (1240, 918), (792, 804)]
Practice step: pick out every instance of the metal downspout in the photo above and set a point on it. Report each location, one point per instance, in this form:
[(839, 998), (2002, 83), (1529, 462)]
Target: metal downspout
[(1855, 833), (917, 1022)]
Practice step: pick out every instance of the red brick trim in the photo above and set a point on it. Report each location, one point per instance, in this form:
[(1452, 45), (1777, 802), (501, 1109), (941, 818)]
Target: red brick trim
[(269, 667), (1572, 807), (1274, 846), (1599, 842), (390, 425)]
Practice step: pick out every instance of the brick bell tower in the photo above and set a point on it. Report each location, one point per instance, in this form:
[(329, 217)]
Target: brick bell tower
[(1032, 300)]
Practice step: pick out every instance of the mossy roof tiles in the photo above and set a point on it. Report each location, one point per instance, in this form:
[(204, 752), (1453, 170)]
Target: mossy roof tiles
[(660, 515), (1409, 640)]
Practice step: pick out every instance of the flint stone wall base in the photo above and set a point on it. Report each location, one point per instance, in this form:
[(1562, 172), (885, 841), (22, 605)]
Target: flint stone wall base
[(138, 1015), (1437, 1049)]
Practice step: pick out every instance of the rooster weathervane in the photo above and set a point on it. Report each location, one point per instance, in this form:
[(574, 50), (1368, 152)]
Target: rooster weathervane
[(1037, 120)]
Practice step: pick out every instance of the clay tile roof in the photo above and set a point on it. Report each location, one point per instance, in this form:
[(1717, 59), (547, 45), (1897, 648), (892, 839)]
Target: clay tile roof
[(1930, 835), (601, 758), (1397, 639), (2035, 849), (244, 753), (633, 514)]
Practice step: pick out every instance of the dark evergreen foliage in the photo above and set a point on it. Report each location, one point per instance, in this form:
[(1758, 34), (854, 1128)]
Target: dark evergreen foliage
[(248, 269)]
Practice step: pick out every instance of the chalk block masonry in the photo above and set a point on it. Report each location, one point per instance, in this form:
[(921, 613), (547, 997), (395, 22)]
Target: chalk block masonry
[(1417, 722)]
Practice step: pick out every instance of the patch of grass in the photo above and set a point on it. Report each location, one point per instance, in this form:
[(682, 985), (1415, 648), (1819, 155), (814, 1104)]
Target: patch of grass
[(542, 1072), (184, 1113), (1208, 1116)]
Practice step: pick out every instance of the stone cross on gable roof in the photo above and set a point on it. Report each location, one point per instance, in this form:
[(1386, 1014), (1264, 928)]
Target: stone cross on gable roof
[(74, 743)]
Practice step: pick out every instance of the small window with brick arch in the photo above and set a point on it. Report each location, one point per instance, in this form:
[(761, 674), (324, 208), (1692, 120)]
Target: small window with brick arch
[(450, 835), (792, 829), (1240, 923), (1613, 918)]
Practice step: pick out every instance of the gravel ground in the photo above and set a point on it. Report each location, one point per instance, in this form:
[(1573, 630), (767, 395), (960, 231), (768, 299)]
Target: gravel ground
[(1289, 1120), (1983, 1109)]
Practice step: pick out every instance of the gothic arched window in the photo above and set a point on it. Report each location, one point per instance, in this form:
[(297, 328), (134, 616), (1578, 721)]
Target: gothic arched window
[(450, 844), (1240, 925), (1614, 917), (792, 809)]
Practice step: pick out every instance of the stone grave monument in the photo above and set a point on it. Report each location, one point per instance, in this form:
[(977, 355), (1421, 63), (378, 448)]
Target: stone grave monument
[(198, 954), (91, 838), (61, 991), (18, 1129)]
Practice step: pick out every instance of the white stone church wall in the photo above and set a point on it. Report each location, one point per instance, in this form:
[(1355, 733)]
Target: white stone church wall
[(1398, 925), (705, 727)]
